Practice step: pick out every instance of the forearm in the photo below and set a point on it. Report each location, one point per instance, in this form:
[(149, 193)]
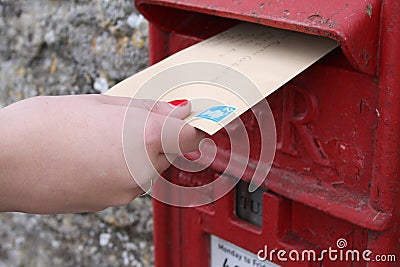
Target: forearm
[(30, 171), (46, 167), (9, 189), (11, 182)]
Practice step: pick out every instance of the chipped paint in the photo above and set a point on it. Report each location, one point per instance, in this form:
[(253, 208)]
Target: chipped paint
[(316, 18), (369, 10)]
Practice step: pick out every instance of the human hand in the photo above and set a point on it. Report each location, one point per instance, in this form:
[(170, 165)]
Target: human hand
[(65, 154)]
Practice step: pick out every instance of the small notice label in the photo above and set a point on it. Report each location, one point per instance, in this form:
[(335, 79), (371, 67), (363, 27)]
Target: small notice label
[(226, 254)]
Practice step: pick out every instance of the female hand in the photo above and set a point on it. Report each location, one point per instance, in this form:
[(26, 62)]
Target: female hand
[(63, 154)]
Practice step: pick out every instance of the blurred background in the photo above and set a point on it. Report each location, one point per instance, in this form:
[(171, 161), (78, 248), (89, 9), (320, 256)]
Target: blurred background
[(55, 47)]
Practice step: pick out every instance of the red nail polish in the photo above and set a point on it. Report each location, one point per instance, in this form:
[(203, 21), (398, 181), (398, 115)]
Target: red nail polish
[(180, 102)]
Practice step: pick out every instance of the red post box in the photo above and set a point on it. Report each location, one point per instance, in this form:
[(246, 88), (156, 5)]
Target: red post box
[(334, 183)]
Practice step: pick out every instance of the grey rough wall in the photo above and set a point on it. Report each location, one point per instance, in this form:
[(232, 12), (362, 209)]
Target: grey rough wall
[(50, 47), (68, 47)]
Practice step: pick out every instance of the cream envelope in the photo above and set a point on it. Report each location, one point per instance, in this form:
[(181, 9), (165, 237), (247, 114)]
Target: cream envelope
[(227, 74)]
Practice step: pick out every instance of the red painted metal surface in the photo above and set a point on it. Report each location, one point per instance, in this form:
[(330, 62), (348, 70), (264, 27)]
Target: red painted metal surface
[(354, 24), (336, 170)]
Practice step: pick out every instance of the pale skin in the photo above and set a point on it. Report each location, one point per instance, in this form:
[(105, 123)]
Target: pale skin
[(64, 154)]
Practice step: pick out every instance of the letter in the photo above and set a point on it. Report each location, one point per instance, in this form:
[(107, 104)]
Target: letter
[(332, 258), (239, 256), (291, 255), (353, 253), (265, 251), (293, 122), (321, 257), (271, 255), (308, 252), (366, 255), (391, 258), (253, 205), (281, 255)]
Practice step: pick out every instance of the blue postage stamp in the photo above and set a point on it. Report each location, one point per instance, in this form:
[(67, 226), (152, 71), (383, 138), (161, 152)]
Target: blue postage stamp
[(216, 113)]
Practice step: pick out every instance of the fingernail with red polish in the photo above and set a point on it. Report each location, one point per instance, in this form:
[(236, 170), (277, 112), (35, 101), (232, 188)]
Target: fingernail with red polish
[(180, 102)]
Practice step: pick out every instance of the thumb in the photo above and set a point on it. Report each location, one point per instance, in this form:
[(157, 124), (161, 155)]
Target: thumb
[(179, 137)]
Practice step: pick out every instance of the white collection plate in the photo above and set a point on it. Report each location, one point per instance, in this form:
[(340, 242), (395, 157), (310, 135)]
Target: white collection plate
[(226, 254)]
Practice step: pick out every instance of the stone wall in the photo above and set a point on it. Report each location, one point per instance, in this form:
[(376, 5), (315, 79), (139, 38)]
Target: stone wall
[(52, 47)]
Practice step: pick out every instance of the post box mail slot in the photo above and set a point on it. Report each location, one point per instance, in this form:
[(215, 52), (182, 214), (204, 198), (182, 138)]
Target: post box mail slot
[(334, 182)]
